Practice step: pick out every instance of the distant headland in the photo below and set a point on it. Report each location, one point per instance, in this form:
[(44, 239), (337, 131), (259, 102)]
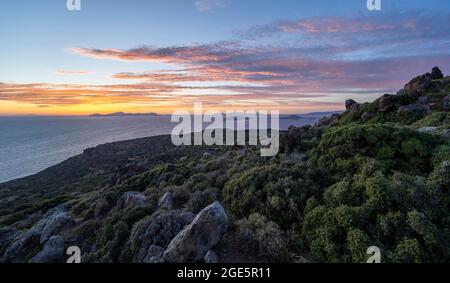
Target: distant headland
[(123, 114)]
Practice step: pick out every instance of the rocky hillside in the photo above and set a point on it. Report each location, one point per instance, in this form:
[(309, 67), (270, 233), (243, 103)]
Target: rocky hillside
[(376, 175)]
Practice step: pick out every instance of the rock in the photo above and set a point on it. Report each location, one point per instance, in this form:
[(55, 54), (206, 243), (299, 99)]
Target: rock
[(53, 251), (21, 246), (56, 224), (131, 199), (166, 201), (414, 110), (436, 74), (349, 103), (422, 100), (211, 257), (366, 116), (157, 229), (154, 254), (419, 84), (446, 133), (428, 130), (446, 103), (7, 235), (205, 231), (386, 103), (327, 121)]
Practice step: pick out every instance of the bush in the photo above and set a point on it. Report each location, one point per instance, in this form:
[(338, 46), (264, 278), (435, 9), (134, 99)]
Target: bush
[(262, 238)]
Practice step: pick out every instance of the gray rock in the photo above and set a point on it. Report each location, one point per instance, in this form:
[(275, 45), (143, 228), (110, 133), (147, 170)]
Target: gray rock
[(429, 130), (349, 103), (211, 257), (166, 201), (328, 120), (419, 84), (54, 222), (53, 251), (446, 103), (7, 235), (57, 223), (21, 246), (386, 103), (205, 231), (413, 110), (422, 100), (157, 229), (366, 116), (154, 254), (436, 73), (131, 199)]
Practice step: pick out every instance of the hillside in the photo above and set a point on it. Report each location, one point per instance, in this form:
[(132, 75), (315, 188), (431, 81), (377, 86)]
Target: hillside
[(376, 175)]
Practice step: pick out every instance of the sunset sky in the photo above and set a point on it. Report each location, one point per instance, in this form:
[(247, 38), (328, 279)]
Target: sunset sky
[(162, 55)]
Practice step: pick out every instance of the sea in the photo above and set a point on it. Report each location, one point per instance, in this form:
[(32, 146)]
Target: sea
[(31, 144)]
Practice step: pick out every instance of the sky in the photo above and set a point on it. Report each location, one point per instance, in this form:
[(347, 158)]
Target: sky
[(163, 55)]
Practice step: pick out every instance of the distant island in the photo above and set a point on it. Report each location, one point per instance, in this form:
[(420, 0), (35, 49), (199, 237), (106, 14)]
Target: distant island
[(122, 114)]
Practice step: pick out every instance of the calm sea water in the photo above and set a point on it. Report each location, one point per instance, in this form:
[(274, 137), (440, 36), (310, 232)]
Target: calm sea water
[(30, 144)]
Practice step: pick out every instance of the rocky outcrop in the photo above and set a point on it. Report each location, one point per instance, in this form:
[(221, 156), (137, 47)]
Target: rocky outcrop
[(446, 103), (154, 254), (156, 230), (53, 223), (21, 246), (131, 199), (166, 201), (194, 241), (328, 120), (419, 84), (56, 224), (366, 116), (7, 235), (436, 74), (413, 110), (53, 251), (386, 103), (349, 103)]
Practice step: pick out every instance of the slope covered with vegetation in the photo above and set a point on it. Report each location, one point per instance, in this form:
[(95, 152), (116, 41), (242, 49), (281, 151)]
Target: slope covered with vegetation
[(376, 175)]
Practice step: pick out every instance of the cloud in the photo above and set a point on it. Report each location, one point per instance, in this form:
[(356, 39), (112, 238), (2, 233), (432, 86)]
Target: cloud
[(312, 61), (72, 72), (208, 5)]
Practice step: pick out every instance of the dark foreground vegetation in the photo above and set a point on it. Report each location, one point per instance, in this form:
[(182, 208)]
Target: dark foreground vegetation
[(376, 175)]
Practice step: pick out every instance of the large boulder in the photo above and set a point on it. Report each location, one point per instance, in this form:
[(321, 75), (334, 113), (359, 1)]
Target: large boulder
[(166, 201), (413, 110), (154, 254), (21, 246), (54, 222), (7, 235), (194, 241), (131, 199), (349, 103), (419, 84), (156, 230), (57, 223), (386, 103), (436, 74), (446, 103), (52, 252), (328, 120)]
